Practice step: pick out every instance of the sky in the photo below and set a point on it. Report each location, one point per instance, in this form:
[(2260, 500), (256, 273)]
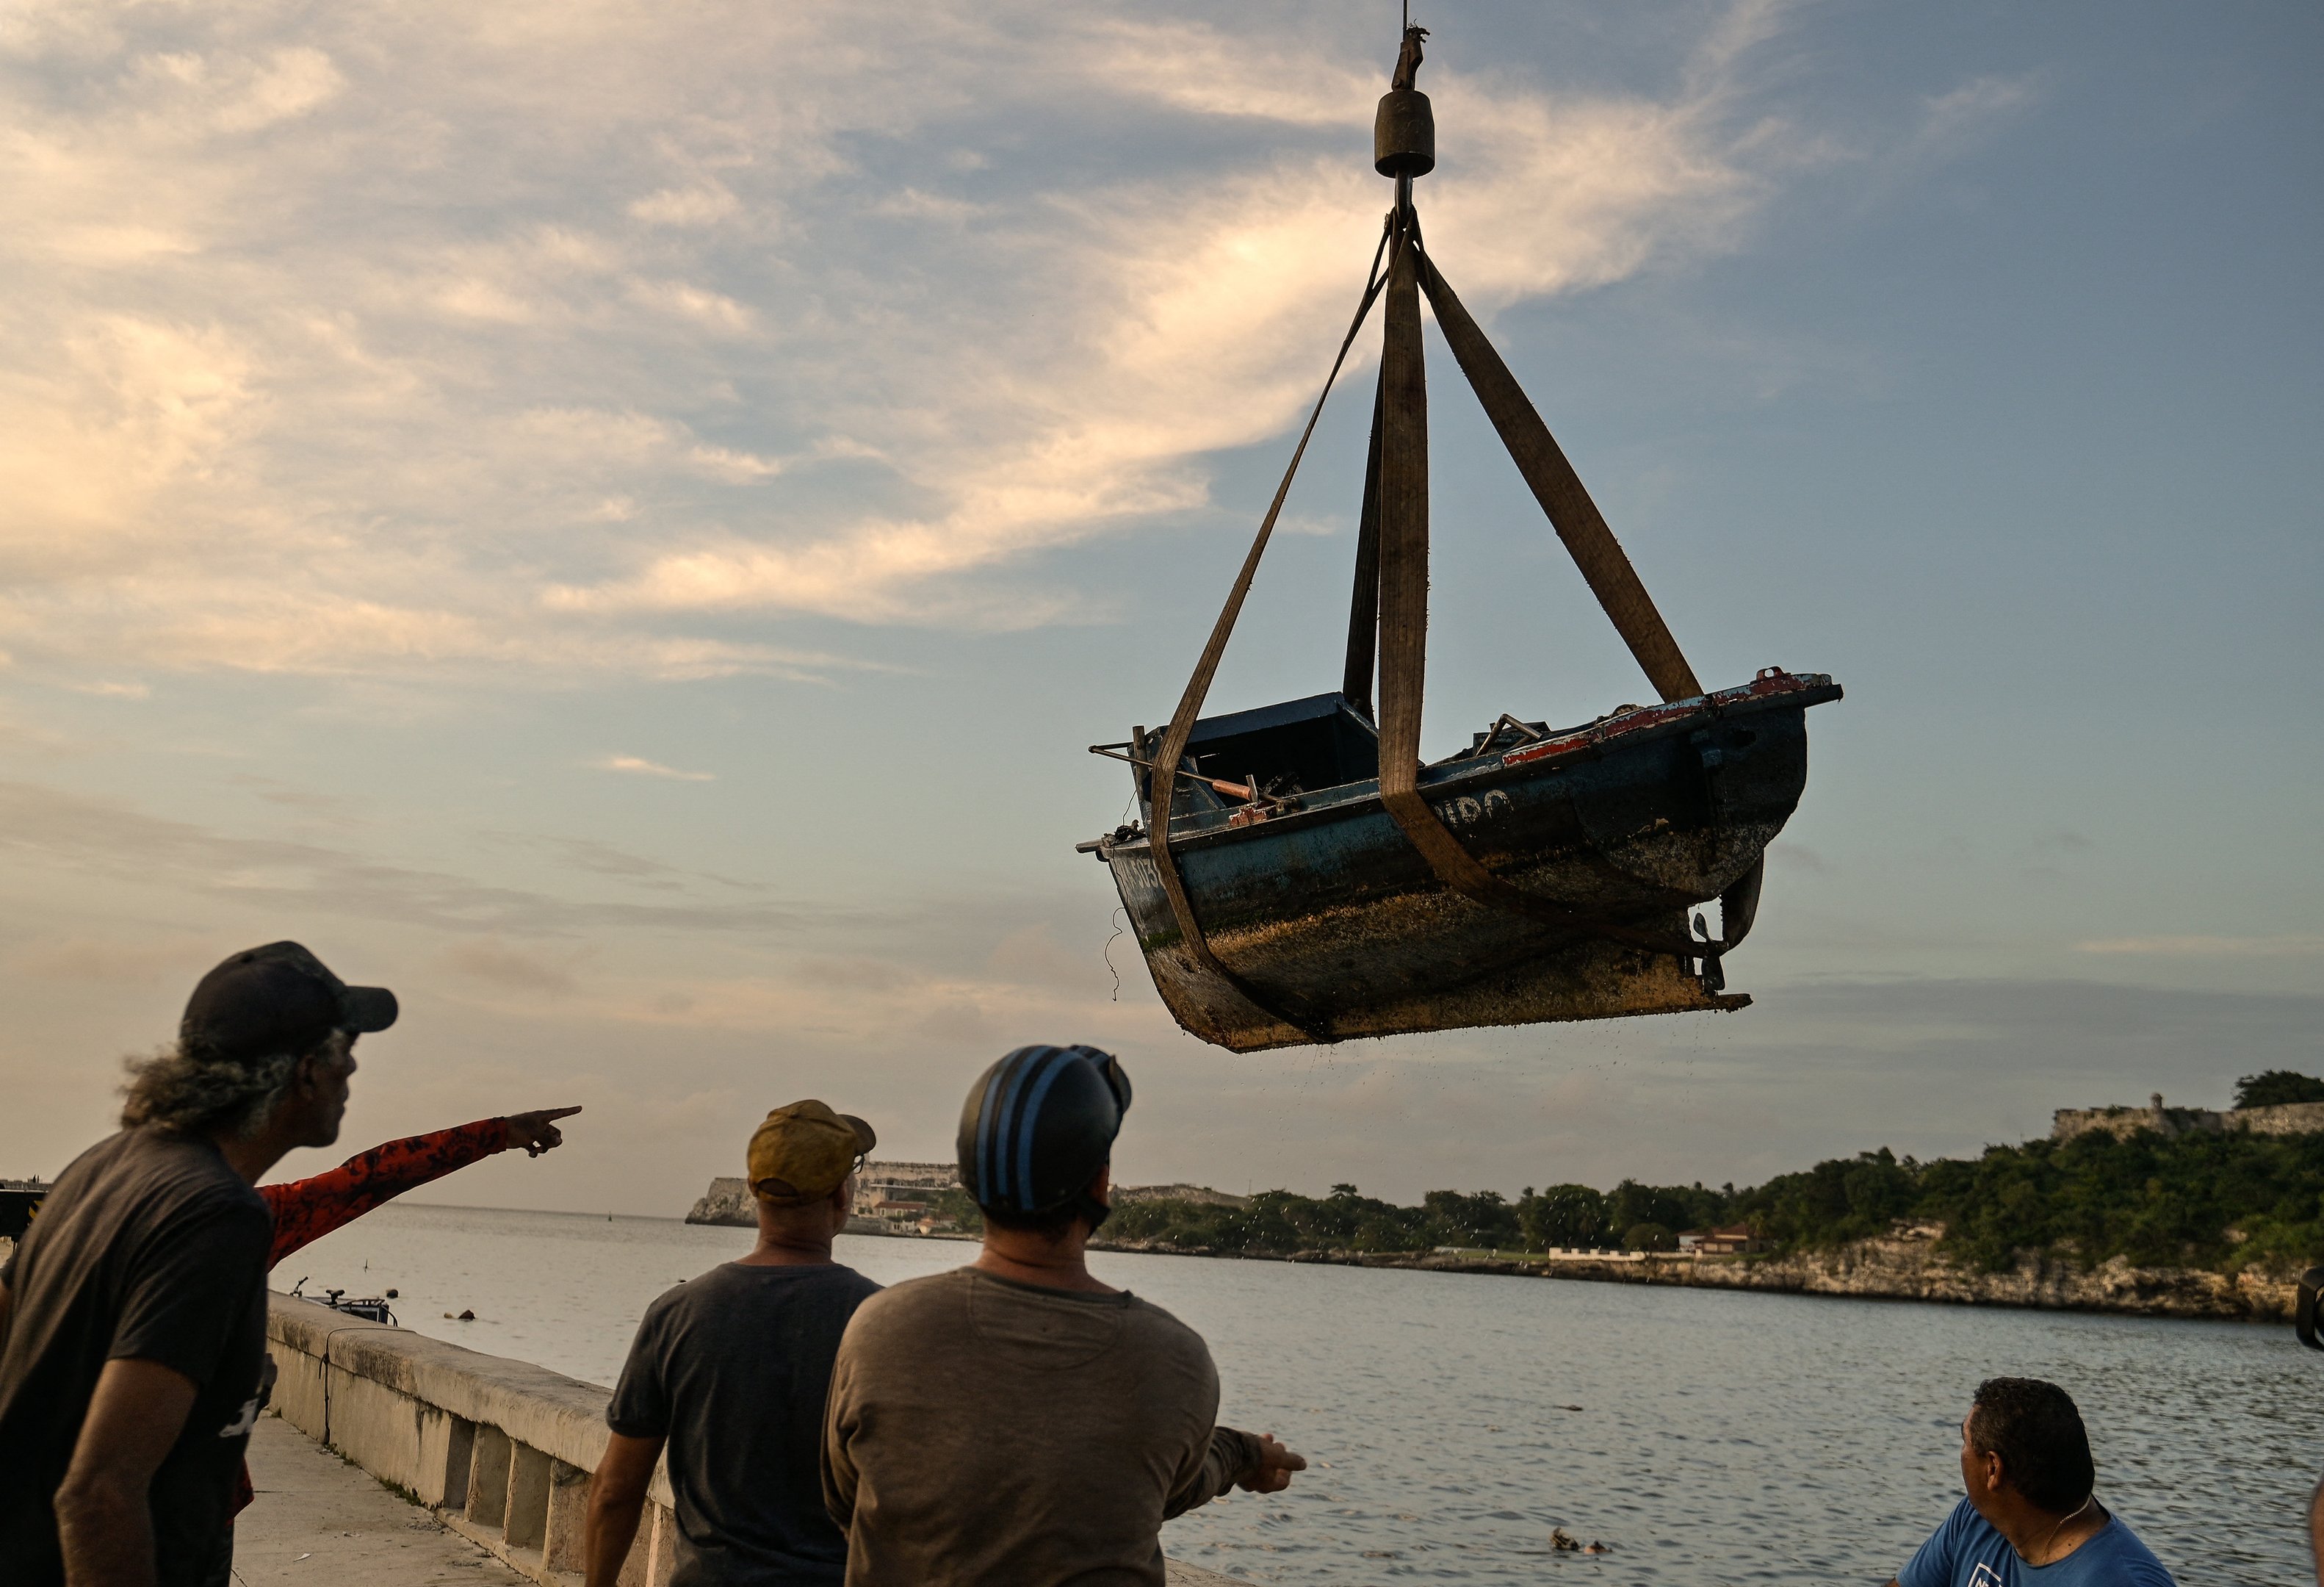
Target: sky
[(616, 520)]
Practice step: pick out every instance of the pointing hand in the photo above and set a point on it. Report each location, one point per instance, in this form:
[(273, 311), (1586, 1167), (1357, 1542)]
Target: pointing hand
[(536, 1131), (1272, 1474)]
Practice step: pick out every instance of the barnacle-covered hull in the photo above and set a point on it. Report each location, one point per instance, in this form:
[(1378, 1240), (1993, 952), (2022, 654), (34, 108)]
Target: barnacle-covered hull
[(1324, 907)]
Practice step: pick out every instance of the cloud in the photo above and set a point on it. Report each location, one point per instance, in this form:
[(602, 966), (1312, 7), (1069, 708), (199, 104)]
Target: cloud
[(498, 965), (1972, 111), (2283, 946), (713, 311), (404, 342), (115, 962), (704, 204), (1790, 854), (650, 768), (51, 829), (1198, 326)]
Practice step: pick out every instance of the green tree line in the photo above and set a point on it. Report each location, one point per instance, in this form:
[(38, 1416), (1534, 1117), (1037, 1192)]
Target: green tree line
[(2217, 1201)]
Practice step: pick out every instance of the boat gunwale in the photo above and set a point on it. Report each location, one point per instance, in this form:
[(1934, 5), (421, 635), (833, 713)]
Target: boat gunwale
[(1771, 690)]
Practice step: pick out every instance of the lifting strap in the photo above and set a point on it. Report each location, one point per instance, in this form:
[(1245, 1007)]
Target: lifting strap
[(1560, 491), (1403, 514), (1364, 605), (1163, 782)]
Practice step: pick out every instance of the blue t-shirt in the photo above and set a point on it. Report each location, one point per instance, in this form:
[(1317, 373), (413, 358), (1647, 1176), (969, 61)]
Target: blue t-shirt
[(1967, 1552)]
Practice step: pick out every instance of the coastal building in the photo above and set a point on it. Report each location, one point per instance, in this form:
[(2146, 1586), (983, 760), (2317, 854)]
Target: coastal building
[(909, 1189), (2282, 1119), (897, 1197), (1734, 1241)]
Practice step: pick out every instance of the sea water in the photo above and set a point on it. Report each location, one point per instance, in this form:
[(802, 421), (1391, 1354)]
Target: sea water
[(1453, 1421)]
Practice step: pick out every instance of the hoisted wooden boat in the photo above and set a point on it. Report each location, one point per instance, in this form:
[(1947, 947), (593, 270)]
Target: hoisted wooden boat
[(1312, 880)]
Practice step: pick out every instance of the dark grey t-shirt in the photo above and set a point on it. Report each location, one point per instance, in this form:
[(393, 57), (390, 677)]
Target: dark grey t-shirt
[(733, 1369), (150, 1248)]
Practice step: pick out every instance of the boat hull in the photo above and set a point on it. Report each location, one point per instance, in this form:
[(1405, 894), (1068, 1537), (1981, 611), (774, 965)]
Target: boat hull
[(1337, 921)]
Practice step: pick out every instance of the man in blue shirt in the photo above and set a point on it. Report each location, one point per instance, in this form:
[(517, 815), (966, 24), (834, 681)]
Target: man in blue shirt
[(2031, 1515)]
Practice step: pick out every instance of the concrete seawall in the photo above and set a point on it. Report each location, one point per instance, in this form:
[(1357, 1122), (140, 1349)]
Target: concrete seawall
[(499, 1451)]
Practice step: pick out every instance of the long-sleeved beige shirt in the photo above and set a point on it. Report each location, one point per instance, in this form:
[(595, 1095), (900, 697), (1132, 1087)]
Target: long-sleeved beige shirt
[(983, 1432)]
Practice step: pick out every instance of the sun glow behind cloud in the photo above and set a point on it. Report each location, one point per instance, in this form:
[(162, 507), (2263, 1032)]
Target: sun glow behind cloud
[(384, 343)]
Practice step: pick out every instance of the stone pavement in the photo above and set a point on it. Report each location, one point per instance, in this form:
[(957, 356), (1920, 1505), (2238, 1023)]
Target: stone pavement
[(321, 1522)]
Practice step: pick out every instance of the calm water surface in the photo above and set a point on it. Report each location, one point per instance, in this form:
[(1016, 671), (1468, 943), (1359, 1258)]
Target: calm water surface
[(1456, 1419)]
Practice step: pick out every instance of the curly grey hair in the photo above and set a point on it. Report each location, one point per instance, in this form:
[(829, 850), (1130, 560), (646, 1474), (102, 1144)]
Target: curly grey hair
[(194, 1093)]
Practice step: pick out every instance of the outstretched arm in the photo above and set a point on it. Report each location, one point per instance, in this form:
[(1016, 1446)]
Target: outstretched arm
[(306, 1210), (1254, 1461)]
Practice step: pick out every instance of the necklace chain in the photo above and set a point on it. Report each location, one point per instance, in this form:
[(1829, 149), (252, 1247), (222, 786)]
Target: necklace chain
[(2052, 1538)]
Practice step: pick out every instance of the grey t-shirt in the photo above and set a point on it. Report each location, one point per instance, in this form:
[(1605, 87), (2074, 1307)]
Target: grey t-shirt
[(732, 1368), (1003, 1434), (150, 1248)]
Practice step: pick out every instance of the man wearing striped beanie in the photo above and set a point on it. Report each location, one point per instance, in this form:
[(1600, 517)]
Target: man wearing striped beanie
[(1017, 1420)]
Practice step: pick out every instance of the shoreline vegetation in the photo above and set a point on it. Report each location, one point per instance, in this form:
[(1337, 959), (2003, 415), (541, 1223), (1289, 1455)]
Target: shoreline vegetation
[(2205, 1223)]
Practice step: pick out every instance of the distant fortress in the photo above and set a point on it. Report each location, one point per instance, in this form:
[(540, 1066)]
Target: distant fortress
[(2282, 1119), (910, 1198)]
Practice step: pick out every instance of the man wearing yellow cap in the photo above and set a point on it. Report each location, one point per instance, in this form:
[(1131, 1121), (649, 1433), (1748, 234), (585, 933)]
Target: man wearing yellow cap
[(730, 1371)]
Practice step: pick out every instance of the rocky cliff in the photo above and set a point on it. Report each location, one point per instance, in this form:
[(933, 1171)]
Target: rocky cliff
[(1886, 1269), (727, 1202)]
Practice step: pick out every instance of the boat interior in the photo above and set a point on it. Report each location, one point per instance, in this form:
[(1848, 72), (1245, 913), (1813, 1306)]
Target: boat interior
[(1278, 751), (1298, 747)]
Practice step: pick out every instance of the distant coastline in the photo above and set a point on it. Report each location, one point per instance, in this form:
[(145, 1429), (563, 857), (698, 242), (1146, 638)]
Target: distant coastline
[(1871, 1270), (2163, 1211), (1868, 1269), (1907, 1266)]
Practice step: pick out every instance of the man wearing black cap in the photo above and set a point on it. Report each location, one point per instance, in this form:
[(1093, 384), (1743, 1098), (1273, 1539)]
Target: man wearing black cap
[(133, 1314), (1017, 1420)]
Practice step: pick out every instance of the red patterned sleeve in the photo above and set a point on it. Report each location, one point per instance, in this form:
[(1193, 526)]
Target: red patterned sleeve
[(305, 1210)]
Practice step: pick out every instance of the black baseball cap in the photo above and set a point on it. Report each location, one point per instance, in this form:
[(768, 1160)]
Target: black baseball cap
[(278, 999)]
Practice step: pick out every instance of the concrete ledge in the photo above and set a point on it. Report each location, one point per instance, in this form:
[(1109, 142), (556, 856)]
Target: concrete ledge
[(501, 1451)]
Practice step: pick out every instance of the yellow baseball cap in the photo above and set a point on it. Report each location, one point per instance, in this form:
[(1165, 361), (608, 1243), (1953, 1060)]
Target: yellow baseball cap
[(802, 1152)]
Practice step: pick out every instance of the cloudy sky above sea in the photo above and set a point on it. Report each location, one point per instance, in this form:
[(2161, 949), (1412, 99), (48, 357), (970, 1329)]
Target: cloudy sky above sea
[(618, 520)]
